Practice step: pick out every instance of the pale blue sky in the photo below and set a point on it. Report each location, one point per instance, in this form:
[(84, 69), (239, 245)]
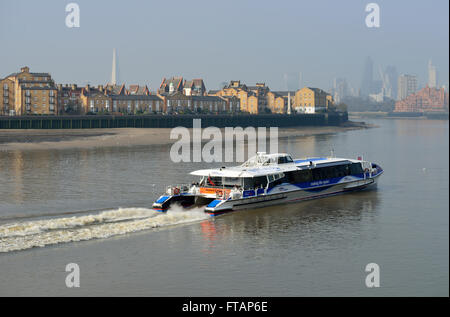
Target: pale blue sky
[(251, 40)]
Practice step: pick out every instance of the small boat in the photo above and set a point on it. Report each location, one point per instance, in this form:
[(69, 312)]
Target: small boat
[(270, 179)]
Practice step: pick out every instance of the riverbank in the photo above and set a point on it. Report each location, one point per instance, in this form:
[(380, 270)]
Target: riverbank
[(18, 139), (400, 115)]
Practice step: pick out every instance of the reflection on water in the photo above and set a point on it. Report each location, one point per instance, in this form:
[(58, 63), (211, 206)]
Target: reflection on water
[(295, 221)]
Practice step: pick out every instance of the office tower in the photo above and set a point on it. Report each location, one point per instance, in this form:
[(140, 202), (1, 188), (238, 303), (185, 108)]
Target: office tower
[(391, 81), (340, 89), (367, 78), (407, 85), (432, 75)]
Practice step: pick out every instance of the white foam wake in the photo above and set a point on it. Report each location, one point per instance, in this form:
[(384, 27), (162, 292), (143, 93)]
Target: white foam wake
[(40, 233)]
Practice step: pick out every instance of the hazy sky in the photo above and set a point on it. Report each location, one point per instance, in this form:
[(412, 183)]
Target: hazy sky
[(254, 41)]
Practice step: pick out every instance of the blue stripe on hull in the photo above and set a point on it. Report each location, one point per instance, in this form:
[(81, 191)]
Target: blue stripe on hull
[(311, 197)]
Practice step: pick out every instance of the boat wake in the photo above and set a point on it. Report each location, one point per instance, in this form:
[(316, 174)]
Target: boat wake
[(40, 233)]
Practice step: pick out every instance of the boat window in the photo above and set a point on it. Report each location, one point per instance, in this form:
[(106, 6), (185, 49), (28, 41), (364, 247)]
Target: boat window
[(260, 181), (299, 176), (231, 181), (271, 178), (255, 182), (356, 168), (321, 173), (248, 182), (214, 181), (284, 159)]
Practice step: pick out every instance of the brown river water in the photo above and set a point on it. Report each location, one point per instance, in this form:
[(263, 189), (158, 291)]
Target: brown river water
[(92, 207)]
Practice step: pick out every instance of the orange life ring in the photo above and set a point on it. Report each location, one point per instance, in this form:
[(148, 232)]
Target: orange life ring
[(176, 190), (219, 193)]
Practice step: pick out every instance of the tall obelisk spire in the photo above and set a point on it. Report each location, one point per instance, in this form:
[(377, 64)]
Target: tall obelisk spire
[(113, 74)]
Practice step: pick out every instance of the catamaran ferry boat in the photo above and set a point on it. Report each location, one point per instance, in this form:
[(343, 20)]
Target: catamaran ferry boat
[(270, 179)]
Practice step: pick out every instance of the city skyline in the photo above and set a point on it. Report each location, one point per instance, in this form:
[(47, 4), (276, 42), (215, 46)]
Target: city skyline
[(232, 46)]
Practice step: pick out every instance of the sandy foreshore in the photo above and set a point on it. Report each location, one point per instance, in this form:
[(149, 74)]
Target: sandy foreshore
[(94, 138)]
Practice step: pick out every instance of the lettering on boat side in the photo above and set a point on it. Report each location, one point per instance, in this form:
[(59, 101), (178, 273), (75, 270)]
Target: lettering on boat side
[(320, 182)]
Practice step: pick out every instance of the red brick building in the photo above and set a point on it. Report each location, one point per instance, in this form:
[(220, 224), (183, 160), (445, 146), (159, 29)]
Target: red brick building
[(425, 100)]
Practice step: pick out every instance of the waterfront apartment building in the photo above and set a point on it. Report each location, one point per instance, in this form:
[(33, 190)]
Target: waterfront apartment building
[(237, 89), (407, 85), (312, 100), (69, 99), (134, 99), (233, 104), (278, 101), (252, 98), (180, 103), (95, 100), (117, 99), (428, 99), (25, 93)]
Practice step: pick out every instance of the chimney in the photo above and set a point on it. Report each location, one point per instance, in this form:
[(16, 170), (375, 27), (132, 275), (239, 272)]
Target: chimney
[(74, 87), (100, 87), (59, 86)]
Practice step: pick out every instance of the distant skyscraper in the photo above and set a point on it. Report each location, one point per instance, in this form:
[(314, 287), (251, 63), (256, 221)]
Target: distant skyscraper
[(407, 85), (340, 89), (114, 69), (432, 75), (367, 78), (391, 81)]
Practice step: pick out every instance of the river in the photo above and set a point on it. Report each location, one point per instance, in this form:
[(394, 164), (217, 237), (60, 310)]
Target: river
[(92, 207)]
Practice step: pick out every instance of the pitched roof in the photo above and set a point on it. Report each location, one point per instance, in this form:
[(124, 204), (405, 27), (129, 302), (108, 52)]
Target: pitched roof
[(176, 81), (138, 90), (116, 89)]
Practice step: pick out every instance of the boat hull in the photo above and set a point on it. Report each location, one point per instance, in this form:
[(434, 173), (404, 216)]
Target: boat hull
[(291, 196)]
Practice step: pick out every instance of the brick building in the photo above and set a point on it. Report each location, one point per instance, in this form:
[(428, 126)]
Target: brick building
[(425, 100), (25, 93), (69, 99)]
